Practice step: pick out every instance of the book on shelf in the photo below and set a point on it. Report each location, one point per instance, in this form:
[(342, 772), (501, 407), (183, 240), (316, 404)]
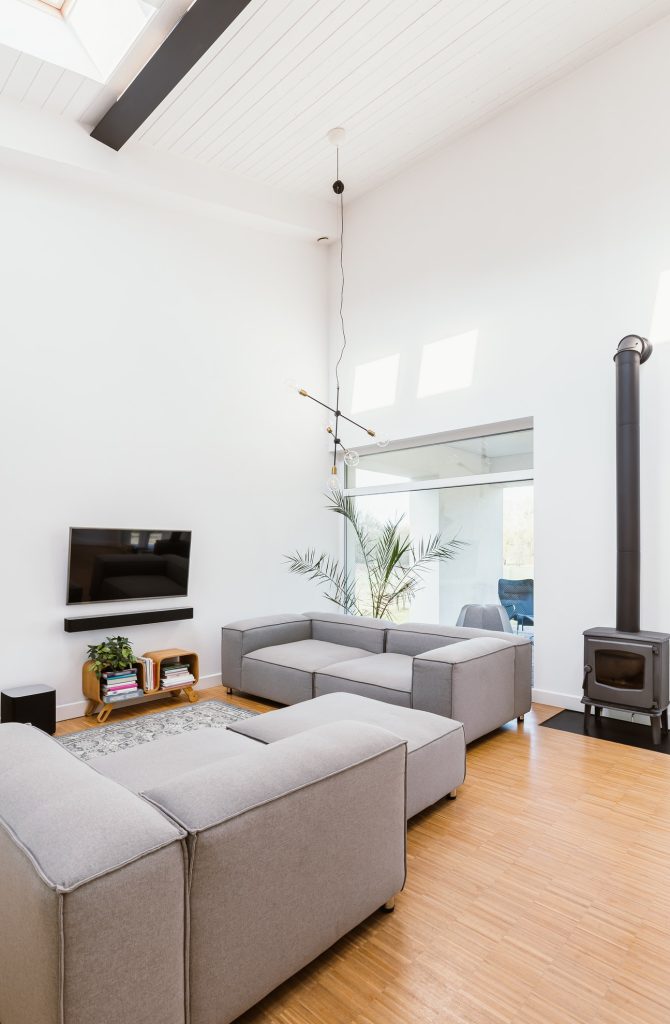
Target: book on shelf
[(115, 698), (177, 684), (175, 672), (150, 684)]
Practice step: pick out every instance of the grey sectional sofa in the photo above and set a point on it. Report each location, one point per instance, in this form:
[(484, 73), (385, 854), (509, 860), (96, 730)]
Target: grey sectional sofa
[(185, 879), (478, 677)]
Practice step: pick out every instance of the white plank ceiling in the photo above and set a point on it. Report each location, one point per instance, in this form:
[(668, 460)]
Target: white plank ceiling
[(39, 84), (404, 78)]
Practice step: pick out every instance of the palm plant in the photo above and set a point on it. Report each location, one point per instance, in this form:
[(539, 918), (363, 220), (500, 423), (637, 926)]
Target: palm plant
[(394, 565)]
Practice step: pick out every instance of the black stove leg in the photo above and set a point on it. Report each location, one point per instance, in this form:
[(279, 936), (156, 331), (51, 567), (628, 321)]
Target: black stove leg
[(656, 730), (664, 722), (597, 712), (587, 715)]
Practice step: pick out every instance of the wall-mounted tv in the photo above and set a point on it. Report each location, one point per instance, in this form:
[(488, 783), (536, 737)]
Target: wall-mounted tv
[(123, 565)]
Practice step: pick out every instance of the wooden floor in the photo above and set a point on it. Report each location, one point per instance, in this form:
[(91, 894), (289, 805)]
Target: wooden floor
[(539, 896)]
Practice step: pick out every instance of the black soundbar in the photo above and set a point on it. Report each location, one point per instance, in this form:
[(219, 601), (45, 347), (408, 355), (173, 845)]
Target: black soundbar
[(86, 622)]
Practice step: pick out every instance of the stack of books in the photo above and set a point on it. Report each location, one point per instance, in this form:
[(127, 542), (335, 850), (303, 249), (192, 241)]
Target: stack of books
[(150, 678), (175, 675), (119, 685)]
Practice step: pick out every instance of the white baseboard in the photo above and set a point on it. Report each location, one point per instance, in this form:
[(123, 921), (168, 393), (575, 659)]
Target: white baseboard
[(569, 701), (77, 708), (74, 710)]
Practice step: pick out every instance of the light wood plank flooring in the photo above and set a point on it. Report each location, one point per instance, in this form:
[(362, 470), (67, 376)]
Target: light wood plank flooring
[(539, 896)]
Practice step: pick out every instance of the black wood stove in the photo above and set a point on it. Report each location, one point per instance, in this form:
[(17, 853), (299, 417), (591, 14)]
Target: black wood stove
[(627, 668)]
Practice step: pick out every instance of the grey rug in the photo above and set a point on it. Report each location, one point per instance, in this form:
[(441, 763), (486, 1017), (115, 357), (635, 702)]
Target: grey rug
[(108, 739)]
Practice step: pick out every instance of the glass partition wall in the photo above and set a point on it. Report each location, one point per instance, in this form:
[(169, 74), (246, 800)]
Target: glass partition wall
[(478, 489)]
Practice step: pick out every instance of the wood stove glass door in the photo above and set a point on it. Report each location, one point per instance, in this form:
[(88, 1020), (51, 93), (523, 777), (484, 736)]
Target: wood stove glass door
[(621, 673)]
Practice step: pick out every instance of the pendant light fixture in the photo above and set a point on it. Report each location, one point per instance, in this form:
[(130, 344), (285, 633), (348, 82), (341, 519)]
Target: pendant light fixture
[(336, 137)]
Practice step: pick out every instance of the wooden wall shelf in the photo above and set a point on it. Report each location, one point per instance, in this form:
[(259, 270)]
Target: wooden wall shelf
[(103, 709)]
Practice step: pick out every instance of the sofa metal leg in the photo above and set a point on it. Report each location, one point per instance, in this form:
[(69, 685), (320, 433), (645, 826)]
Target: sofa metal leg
[(389, 906), (520, 718), (229, 690), (452, 795)]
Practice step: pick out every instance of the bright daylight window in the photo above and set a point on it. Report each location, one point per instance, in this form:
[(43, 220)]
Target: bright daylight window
[(478, 489)]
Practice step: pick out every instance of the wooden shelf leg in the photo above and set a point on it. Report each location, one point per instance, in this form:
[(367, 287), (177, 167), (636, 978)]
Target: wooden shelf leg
[(191, 694), (105, 713)]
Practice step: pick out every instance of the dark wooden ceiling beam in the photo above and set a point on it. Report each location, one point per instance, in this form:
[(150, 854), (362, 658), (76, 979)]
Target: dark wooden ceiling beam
[(189, 40)]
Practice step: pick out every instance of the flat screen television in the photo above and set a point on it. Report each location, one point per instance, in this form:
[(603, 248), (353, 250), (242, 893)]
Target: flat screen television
[(123, 565)]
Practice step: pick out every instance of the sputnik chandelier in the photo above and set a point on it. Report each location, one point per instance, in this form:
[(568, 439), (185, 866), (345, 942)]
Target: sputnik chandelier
[(336, 137)]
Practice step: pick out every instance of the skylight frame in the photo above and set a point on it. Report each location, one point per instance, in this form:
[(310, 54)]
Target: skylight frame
[(56, 8)]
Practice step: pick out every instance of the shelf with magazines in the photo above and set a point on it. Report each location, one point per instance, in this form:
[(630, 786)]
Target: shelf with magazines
[(167, 673)]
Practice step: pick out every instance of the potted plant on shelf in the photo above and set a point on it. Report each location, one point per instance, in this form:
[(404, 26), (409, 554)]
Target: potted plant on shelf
[(113, 654), (393, 565)]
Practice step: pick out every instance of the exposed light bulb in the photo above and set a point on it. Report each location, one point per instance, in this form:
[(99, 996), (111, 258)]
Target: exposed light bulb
[(351, 458), (382, 442)]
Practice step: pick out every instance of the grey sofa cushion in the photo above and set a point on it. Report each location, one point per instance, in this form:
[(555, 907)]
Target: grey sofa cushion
[(87, 867), (385, 677), (307, 655), (285, 673), (72, 823), (291, 847), (350, 631), (247, 635), (159, 762), (416, 637), (472, 682), (435, 745)]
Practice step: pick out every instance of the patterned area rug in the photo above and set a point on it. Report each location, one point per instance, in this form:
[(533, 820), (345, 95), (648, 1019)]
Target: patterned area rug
[(108, 739)]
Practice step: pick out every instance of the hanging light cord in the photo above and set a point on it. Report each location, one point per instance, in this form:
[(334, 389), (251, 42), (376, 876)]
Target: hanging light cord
[(344, 333)]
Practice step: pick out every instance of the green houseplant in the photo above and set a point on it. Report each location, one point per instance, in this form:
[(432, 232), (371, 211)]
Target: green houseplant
[(115, 652), (393, 564)]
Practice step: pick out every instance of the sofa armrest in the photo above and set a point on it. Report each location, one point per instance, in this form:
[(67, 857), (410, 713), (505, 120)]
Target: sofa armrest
[(247, 635), (471, 682), (292, 845), (74, 844)]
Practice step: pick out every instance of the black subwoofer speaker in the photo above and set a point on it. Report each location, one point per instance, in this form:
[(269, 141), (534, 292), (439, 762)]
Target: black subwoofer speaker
[(32, 705)]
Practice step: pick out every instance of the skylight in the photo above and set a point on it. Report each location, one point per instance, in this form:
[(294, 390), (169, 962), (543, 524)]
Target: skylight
[(89, 37), (50, 6)]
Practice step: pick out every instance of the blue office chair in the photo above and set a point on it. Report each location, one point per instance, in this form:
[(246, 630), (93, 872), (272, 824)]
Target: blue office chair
[(516, 597)]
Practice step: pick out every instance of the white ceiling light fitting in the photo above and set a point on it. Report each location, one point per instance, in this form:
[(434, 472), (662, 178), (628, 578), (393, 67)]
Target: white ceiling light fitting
[(336, 137)]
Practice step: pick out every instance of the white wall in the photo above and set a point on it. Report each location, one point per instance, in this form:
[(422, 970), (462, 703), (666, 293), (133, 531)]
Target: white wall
[(142, 358), (546, 232)]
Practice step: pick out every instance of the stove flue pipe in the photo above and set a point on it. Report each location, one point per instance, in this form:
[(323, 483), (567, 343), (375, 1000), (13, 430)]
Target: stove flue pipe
[(631, 352)]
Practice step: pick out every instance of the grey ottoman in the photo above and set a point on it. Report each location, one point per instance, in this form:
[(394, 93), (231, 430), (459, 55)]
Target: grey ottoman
[(435, 745)]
